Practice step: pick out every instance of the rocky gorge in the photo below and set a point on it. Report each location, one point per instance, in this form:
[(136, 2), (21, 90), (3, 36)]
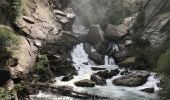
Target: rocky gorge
[(71, 50)]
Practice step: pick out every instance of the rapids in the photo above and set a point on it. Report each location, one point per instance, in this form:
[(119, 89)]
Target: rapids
[(79, 56)]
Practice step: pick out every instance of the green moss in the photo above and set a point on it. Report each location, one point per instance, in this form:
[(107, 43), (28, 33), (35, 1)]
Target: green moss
[(165, 88), (9, 42), (5, 95), (14, 8), (42, 61), (164, 63)]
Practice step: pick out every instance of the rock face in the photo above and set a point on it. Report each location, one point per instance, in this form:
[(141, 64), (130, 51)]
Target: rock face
[(85, 83), (132, 80), (116, 32), (156, 21), (98, 80), (95, 34)]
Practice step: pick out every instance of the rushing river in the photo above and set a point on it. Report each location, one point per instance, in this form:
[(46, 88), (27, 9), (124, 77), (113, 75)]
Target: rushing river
[(116, 92)]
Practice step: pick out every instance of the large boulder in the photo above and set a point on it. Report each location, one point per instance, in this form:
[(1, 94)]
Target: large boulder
[(107, 74), (98, 80), (97, 58), (85, 83), (95, 34), (132, 80), (115, 32)]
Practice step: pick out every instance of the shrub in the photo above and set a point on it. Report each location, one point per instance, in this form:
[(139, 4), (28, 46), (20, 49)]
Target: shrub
[(164, 63), (165, 88), (5, 95), (8, 42), (42, 61), (14, 8)]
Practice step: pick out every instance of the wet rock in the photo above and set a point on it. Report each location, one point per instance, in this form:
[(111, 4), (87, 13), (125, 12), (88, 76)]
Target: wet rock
[(64, 69), (103, 74), (29, 19), (132, 80), (115, 32), (95, 34), (125, 72), (85, 83), (148, 90), (97, 68), (104, 47), (85, 63), (97, 58), (114, 73), (4, 76), (158, 84), (107, 74), (98, 80), (67, 78), (87, 48)]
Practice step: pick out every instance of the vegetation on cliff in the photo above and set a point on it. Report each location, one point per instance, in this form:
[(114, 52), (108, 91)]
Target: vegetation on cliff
[(8, 43), (14, 8)]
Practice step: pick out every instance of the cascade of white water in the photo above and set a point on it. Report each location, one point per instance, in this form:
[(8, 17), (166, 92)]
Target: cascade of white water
[(84, 72)]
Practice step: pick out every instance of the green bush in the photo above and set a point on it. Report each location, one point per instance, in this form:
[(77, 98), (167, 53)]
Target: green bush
[(165, 88), (5, 95), (42, 61), (8, 42), (164, 63), (14, 8)]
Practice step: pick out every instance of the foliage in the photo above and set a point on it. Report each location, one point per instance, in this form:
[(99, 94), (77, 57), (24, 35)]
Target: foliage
[(5, 95), (165, 88), (42, 61), (164, 63), (14, 8), (8, 42)]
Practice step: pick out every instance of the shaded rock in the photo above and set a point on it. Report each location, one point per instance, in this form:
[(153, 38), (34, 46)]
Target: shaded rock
[(95, 34), (85, 83), (104, 47), (132, 80), (98, 80), (66, 89), (125, 72), (87, 48), (64, 70), (128, 62), (97, 58), (97, 68), (85, 63), (148, 90), (113, 73), (5, 75), (67, 78), (29, 19), (103, 74)]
